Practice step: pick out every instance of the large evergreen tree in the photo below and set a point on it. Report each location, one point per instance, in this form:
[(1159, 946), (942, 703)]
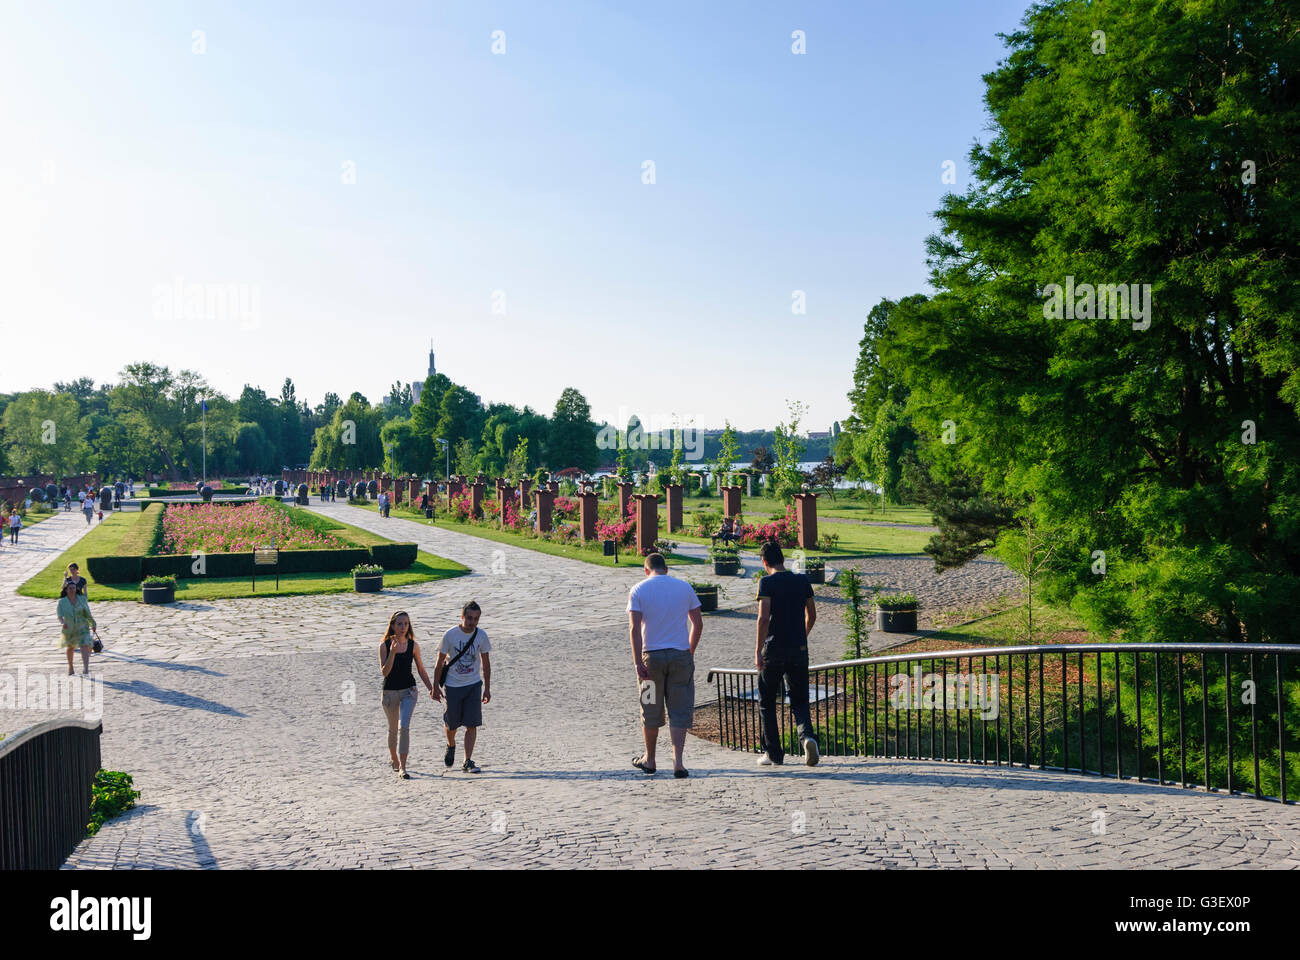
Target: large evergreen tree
[(1165, 437)]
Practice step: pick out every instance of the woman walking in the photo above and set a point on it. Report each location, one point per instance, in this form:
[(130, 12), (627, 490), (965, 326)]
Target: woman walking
[(15, 524), (77, 623), (396, 654)]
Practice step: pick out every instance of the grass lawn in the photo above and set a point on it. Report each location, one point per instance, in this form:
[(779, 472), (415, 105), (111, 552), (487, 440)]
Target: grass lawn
[(626, 557), (1007, 629), (109, 535), (842, 507), (31, 518), (855, 540)]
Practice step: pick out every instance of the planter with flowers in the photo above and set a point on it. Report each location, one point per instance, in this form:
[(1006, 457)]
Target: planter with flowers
[(158, 589), (896, 613), (367, 578)]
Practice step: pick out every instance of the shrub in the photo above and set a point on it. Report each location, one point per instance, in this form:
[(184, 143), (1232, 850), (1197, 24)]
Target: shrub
[(698, 587), (157, 581), (896, 601), (115, 569), (110, 796), (367, 570), (394, 556)]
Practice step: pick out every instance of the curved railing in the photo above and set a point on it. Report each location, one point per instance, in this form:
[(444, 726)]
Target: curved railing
[(46, 774), (1212, 716)]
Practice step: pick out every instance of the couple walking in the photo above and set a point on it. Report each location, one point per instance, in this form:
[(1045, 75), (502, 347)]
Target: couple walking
[(464, 674), (665, 624)]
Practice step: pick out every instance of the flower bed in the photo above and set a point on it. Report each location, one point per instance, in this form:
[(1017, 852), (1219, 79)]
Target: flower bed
[(236, 528)]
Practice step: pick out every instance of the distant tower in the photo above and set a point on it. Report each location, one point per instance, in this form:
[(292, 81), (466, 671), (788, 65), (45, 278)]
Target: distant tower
[(416, 388)]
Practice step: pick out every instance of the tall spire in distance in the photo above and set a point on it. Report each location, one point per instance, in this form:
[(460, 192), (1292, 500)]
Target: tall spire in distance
[(431, 370)]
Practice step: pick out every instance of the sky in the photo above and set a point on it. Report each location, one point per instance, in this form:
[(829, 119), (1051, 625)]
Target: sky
[(319, 190)]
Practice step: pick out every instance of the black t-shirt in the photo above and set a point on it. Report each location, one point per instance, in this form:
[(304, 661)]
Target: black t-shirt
[(788, 593)]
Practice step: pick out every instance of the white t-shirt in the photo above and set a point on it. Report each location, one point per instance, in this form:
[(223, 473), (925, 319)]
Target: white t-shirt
[(468, 670), (663, 602)]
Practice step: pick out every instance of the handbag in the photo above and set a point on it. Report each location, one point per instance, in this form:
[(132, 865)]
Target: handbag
[(446, 669)]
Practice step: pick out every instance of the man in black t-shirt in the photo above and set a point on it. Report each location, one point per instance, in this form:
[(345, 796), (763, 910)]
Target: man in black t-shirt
[(786, 612)]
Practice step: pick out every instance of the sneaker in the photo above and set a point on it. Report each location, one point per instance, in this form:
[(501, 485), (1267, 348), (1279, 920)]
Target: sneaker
[(450, 756), (810, 752), (765, 761), (469, 766)]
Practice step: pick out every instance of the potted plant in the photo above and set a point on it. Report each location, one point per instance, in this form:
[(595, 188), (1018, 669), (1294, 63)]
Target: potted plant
[(367, 578), (896, 613), (708, 594), (726, 559), (814, 569), (158, 589)]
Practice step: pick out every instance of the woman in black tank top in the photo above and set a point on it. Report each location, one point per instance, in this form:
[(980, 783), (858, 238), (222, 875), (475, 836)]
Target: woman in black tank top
[(398, 651)]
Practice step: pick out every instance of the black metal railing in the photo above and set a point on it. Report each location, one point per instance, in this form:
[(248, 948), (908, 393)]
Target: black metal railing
[(1212, 716), (46, 774)]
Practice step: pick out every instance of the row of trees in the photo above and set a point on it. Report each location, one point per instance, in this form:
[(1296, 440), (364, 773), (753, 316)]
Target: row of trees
[(153, 420), (1144, 468)]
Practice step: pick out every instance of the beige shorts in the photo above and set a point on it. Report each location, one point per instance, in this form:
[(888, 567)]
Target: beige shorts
[(671, 683)]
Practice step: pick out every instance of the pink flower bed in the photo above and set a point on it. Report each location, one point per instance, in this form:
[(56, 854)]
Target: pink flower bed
[(237, 528)]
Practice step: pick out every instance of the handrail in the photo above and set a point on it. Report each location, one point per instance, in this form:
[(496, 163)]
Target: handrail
[(47, 774), (1282, 649), (1206, 715), (14, 741)]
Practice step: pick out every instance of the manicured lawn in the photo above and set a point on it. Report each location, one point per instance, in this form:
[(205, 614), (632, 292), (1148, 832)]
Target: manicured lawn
[(1051, 625), (31, 518), (627, 557), (855, 540), (117, 529), (842, 507)]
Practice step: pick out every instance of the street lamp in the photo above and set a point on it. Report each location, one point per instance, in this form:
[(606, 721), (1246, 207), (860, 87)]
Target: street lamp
[(446, 449)]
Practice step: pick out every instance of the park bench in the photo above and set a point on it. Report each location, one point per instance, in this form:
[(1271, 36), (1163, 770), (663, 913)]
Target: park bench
[(726, 533), (266, 557)]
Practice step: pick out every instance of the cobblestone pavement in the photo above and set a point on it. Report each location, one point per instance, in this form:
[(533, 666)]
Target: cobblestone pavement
[(254, 731)]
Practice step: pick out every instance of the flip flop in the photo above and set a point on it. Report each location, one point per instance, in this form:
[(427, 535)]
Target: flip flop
[(637, 762)]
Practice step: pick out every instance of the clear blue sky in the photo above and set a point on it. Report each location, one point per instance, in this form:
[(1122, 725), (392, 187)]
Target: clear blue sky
[(130, 160)]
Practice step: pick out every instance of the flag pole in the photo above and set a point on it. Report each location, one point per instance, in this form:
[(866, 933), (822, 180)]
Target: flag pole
[(205, 440)]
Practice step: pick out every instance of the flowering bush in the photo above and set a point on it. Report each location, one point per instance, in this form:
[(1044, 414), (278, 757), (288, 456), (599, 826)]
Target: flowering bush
[(624, 533), (237, 528), (785, 531)]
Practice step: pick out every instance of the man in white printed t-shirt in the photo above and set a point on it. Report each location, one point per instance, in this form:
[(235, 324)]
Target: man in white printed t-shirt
[(468, 683), (664, 623)]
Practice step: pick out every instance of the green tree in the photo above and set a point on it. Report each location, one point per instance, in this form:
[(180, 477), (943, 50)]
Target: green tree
[(572, 441), (44, 433), (1151, 421)]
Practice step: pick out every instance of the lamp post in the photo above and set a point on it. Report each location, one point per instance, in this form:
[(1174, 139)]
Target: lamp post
[(446, 449)]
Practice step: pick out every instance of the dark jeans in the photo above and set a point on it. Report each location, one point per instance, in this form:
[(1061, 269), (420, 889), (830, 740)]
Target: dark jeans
[(792, 664)]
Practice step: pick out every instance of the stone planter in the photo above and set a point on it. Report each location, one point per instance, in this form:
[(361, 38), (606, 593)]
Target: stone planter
[(815, 574), (151, 594), (708, 598), (370, 583), (726, 568), (896, 621)]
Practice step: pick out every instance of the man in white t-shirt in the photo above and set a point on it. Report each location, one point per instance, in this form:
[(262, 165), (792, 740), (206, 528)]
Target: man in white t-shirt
[(464, 651), (664, 624)]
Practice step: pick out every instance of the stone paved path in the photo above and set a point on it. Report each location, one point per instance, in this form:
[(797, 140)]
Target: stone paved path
[(253, 729)]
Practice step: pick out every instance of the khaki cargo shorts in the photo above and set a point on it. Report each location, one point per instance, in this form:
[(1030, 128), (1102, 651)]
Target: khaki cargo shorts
[(672, 682)]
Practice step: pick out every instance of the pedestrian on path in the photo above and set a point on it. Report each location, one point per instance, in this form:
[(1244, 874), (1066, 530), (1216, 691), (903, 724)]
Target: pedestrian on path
[(664, 623), (15, 524), (77, 623), (88, 508), (465, 671), (396, 654), (786, 613), (73, 573)]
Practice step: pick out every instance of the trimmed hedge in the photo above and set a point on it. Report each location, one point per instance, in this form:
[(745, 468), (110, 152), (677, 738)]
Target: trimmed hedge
[(131, 569), (394, 556), (115, 569)]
